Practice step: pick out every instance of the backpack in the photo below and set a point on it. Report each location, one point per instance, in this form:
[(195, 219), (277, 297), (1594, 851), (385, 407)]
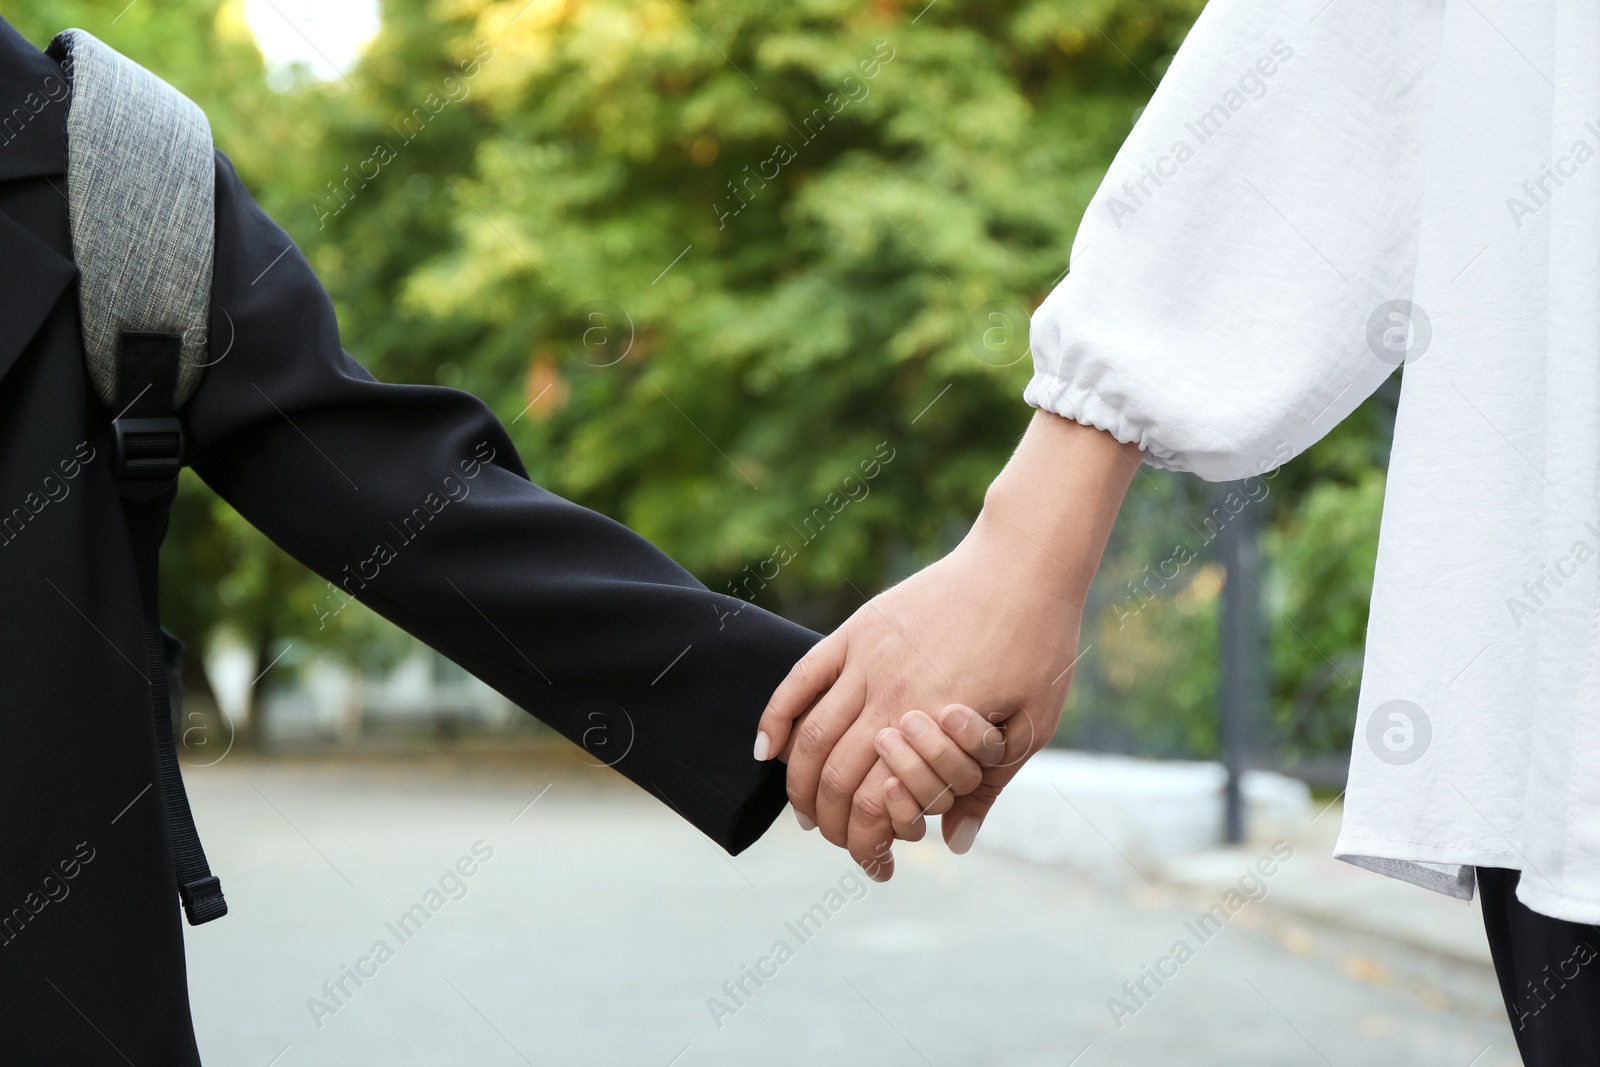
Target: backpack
[(141, 205)]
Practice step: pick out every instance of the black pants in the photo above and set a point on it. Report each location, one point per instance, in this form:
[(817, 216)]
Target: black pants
[(1549, 972)]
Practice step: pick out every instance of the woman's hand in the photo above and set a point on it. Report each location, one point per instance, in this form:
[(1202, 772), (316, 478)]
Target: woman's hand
[(993, 626)]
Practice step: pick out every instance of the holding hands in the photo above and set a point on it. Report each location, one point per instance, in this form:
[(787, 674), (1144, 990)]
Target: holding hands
[(929, 698)]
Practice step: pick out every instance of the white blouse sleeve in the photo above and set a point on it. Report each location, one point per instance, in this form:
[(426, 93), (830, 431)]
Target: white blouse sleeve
[(1241, 281)]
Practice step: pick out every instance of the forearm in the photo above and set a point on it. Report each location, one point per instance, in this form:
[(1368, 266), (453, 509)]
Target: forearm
[(1049, 512)]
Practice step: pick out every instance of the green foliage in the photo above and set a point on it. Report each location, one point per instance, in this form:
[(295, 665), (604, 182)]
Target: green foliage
[(752, 277), (1322, 557), (1149, 682), (729, 253), (204, 49)]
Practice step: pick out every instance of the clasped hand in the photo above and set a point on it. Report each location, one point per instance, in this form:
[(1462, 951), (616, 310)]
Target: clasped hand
[(929, 698)]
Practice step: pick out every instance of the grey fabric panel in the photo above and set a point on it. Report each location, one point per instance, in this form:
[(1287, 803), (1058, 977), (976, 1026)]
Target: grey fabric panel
[(140, 197), (1451, 879)]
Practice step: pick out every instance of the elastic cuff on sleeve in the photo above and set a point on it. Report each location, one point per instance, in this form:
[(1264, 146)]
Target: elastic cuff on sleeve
[(1078, 403)]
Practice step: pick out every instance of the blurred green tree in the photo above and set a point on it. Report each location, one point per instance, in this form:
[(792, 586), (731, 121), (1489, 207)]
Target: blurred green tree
[(710, 259), (752, 278)]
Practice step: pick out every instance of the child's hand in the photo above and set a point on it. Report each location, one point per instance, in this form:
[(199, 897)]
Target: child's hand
[(929, 767)]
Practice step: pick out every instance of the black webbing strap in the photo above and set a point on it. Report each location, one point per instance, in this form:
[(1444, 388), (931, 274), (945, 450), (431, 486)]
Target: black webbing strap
[(147, 453)]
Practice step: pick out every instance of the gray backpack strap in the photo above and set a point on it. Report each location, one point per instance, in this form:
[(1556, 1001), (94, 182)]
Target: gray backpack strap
[(141, 184), (140, 200)]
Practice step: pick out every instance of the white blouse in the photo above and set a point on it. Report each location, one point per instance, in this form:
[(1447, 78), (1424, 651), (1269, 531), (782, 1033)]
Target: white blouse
[(1318, 190)]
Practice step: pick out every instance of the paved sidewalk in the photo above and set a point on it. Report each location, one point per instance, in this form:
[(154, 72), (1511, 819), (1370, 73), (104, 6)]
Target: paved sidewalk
[(605, 931), (1320, 888), (1125, 821)]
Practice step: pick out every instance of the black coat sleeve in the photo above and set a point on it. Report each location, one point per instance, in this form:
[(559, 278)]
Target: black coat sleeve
[(412, 500)]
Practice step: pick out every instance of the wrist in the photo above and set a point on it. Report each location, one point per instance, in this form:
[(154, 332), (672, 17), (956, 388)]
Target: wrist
[(1051, 509)]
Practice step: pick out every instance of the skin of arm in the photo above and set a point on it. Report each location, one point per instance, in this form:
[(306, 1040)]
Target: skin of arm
[(993, 627)]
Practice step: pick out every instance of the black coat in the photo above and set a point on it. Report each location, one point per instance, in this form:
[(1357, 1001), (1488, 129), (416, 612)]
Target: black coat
[(564, 611)]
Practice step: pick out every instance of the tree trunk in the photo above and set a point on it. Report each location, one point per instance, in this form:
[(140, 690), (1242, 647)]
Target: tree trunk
[(204, 734), (252, 732)]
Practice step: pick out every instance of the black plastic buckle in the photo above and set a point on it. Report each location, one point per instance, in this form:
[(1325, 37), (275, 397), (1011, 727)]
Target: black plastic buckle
[(202, 900), (146, 456)]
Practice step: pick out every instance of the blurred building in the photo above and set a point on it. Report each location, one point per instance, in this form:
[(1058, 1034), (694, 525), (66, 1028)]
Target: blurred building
[(318, 700)]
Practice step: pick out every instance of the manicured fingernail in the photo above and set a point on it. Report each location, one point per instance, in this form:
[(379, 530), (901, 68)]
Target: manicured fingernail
[(915, 724), (888, 740), (966, 833), (804, 820), (763, 745)]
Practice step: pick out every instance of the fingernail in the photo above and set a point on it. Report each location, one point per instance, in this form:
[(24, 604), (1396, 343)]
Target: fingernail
[(888, 739), (966, 833), (892, 787), (915, 724), (953, 718), (804, 820), (763, 745)]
